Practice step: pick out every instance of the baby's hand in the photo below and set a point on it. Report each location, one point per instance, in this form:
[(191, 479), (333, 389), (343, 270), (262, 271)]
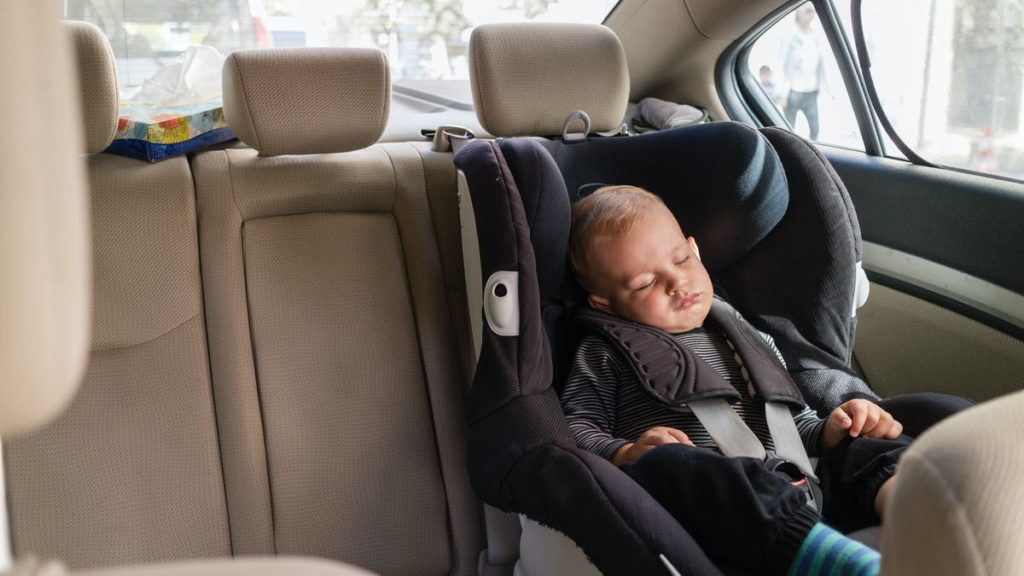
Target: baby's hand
[(859, 418), (656, 436)]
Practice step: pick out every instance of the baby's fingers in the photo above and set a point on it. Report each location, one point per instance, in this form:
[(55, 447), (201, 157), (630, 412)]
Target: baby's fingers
[(895, 430), (679, 436), (658, 436), (840, 419), (858, 418), (879, 430), (873, 419)]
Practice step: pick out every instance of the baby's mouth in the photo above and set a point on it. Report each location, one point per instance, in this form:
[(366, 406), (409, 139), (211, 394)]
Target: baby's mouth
[(688, 301)]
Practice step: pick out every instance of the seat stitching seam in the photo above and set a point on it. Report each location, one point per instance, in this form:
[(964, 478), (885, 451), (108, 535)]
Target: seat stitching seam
[(447, 483), (150, 339)]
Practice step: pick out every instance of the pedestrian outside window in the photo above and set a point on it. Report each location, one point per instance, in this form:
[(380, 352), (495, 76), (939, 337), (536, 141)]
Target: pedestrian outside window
[(794, 65)]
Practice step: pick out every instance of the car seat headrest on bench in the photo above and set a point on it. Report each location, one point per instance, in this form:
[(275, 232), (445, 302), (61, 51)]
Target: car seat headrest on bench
[(97, 84), (269, 95), (528, 78)]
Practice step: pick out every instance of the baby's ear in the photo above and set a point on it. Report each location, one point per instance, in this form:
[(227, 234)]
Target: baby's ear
[(599, 302), (693, 246)]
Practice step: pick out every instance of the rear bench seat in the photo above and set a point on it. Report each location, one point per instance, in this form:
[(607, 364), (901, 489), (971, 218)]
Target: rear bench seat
[(327, 418), (330, 338)]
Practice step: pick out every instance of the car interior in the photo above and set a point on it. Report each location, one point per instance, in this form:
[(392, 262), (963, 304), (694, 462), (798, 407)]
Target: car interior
[(260, 356)]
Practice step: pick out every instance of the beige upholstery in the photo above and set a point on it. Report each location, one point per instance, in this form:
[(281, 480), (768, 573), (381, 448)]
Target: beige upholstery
[(332, 351), (330, 262), (246, 567), (307, 101), (131, 472), (958, 505), (529, 77), (33, 567), (44, 306), (906, 344), (97, 84)]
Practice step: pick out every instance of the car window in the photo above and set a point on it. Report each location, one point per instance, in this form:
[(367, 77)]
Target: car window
[(797, 74), (426, 40), (950, 76)]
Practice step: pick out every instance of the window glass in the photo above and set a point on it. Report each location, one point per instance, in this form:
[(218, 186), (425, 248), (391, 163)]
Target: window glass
[(426, 40), (794, 66), (950, 77)]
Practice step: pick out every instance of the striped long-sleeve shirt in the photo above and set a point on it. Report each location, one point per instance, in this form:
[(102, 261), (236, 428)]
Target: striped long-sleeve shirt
[(606, 405)]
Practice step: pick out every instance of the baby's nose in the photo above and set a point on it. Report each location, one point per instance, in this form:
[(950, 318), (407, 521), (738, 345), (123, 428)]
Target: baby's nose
[(678, 283)]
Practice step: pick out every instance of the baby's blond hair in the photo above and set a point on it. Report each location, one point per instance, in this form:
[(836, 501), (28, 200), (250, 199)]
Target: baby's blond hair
[(609, 211)]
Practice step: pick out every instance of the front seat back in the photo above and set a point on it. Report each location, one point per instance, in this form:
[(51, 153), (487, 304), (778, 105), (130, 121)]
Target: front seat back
[(44, 248), (131, 472)]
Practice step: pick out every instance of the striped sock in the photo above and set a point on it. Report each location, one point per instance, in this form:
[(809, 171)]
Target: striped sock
[(826, 551)]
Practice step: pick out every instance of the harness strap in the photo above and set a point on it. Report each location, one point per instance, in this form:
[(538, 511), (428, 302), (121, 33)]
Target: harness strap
[(727, 429), (788, 445), (676, 377)]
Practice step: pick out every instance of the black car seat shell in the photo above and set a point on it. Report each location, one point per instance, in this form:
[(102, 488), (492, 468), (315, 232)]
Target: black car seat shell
[(778, 235), (518, 436)]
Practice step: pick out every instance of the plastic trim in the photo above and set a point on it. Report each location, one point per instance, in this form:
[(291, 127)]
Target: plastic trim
[(958, 286), (501, 303)]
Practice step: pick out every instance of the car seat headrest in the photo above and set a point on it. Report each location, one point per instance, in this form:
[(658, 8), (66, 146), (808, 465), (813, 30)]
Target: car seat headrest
[(307, 100), (97, 84), (528, 78), (723, 181)]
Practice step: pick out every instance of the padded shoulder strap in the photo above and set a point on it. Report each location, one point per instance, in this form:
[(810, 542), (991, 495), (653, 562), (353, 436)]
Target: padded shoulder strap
[(675, 376), (669, 372), (770, 379)]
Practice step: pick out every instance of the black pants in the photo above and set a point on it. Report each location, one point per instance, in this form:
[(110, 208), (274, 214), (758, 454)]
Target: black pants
[(748, 517), (919, 411), (806, 102)]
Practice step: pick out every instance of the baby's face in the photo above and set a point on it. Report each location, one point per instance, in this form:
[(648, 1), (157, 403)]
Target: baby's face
[(652, 275)]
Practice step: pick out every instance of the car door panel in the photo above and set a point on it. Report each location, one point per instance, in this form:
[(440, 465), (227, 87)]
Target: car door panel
[(943, 251)]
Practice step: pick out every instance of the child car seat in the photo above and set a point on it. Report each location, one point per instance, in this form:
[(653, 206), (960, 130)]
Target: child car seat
[(728, 188), (778, 235)]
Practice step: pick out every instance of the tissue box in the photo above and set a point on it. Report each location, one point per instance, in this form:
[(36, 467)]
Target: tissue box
[(154, 134)]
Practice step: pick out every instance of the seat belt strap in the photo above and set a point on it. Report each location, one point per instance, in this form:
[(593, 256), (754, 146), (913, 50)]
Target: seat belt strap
[(788, 444), (471, 264), (449, 138), (734, 437), (727, 429), (503, 529)]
